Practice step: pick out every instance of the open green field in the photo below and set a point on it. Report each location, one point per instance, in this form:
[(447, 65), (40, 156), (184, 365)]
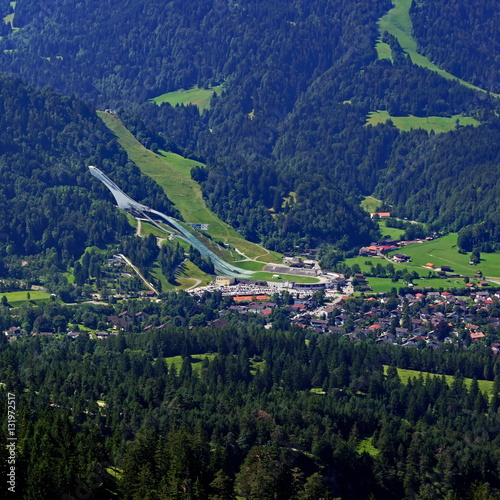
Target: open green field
[(397, 22), (366, 262), (444, 251), (189, 276), (485, 386), (439, 124), (17, 299), (440, 252), (198, 97), (147, 229), (172, 173), (379, 285), (393, 232), (383, 50)]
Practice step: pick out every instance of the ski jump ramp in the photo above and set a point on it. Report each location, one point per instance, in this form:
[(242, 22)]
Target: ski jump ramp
[(126, 203)]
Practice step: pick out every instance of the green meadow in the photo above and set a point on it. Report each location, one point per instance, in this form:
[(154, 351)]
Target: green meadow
[(397, 22), (485, 386), (173, 173), (379, 285), (439, 124), (190, 276), (393, 232), (440, 252), (249, 265), (198, 97), (17, 299), (444, 252)]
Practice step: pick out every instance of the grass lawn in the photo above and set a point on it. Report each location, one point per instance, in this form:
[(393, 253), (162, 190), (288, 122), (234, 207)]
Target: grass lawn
[(172, 173), (383, 50), (439, 124), (196, 96), (485, 386), (189, 275), (366, 262), (17, 299), (249, 265), (440, 252), (397, 22), (284, 277), (147, 228)]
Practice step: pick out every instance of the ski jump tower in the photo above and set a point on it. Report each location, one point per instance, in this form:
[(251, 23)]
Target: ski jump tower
[(126, 203)]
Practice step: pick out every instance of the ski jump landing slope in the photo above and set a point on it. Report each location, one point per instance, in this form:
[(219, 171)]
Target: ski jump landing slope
[(126, 203)]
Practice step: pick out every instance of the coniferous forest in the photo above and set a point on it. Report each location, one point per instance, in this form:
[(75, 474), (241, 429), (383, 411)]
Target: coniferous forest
[(191, 409)]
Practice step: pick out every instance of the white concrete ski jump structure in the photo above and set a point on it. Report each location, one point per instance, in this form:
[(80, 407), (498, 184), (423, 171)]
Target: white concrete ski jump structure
[(128, 204)]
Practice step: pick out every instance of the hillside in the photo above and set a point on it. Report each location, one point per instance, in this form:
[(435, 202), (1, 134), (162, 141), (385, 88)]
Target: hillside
[(50, 206), (461, 37), (298, 84)]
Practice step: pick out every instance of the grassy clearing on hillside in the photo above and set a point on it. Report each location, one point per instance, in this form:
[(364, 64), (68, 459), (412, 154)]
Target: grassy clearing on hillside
[(485, 386), (147, 229), (383, 50), (397, 22), (440, 252), (370, 204), (172, 173), (439, 124), (189, 275), (17, 299), (198, 97), (373, 261)]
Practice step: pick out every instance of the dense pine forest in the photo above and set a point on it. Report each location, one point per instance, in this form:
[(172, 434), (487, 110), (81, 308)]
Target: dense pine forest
[(265, 416), (51, 208), (461, 37)]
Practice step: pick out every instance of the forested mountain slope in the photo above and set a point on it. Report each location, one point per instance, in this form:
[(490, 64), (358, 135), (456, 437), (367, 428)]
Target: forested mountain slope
[(462, 37), (287, 152), (450, 179), (51, 208)]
